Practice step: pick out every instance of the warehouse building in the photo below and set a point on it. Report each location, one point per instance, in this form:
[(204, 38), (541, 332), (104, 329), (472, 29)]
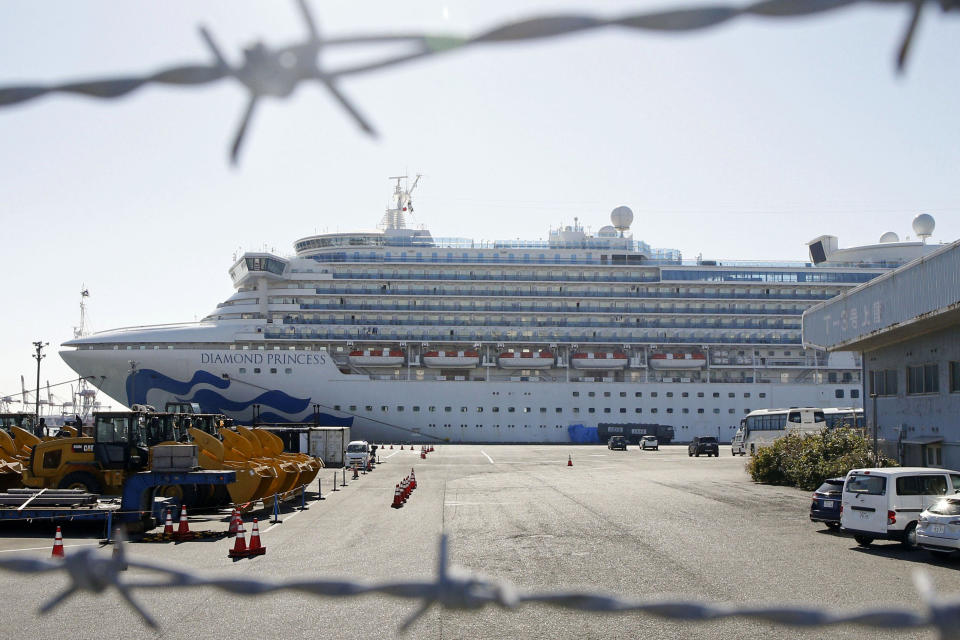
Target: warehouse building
[(906, 325)]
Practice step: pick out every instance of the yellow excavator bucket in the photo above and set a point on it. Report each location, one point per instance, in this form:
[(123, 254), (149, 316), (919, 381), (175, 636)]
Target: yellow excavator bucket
[(288, 474), (253, 480), (24, 441), (273, 445)]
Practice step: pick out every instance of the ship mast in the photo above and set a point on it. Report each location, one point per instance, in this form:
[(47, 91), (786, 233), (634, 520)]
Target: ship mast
[(86, 394), (395, 216)]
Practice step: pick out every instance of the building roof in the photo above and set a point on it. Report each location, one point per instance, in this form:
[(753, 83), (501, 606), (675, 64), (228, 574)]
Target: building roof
[(920, 297)]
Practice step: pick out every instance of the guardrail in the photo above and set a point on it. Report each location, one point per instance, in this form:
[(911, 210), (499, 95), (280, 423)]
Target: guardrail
[(457, 589)]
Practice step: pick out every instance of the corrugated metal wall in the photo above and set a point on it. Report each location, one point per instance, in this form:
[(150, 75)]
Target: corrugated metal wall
[(926, 285)]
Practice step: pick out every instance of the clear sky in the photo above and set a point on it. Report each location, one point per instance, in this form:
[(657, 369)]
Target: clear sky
[(741, 142)]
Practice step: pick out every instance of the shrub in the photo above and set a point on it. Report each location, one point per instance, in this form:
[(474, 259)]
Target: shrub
[(806, 460)]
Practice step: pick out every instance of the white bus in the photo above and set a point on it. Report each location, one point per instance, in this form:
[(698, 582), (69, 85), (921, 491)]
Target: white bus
[(761, 427)]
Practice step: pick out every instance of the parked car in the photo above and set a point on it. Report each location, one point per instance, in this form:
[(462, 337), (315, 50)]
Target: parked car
[(649, 442), (825, 506), (885, 503), (938, 529), (617, 442), (704, 444)]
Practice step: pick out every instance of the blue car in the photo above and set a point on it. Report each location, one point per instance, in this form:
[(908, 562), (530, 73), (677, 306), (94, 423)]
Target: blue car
[(825, 506)]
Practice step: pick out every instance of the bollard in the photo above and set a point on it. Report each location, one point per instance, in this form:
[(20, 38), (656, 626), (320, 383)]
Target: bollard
[(344, 478), (320, 489), (276, 510), (303, 498), (335, 481), (109, 526)]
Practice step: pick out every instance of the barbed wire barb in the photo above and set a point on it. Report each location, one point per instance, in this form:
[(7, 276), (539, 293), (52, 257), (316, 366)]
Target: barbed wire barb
[(456, 589), (276, 72)]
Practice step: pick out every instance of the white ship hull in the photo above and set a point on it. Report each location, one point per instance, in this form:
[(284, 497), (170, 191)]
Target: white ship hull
[(543, 412)]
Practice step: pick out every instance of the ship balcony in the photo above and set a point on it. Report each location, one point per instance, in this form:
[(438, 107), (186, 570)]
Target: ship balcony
[(518, 307)]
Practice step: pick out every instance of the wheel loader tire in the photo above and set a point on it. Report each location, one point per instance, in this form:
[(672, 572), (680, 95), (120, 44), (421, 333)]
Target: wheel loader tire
[(80, 480)]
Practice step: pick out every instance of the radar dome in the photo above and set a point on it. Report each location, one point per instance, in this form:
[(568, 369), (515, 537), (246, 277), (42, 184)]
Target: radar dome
[(889, 236), (607, 232), (923, 225), (622, 218)]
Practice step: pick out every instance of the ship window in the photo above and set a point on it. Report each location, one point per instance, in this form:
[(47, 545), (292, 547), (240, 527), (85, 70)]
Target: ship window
[(576, 409), (606, 394), (746, 395), (479, 409), (447, 409), (243, 369), (369, 407), (543, 409), (699, 394), (576, 394), (716, 394), (638, 394), (591, 394), (496, 409), (638, 410), (838, 393), (699, 410), (685, 410), (591, 410), (416, 409), (654, 410), (256, 370), (653, 394), (399, 407), (669, 394), (684, 395), (336, 407), (623, 410), (383, 408), (606, 410), (669, 409), (288, 371), (763, 395), (854, 393), (623, 394), (353, 407), (716, 410), (431, 409), (272, 370), (730, 411), (731, 395), (526, 409), (463, 409), (511, 409)]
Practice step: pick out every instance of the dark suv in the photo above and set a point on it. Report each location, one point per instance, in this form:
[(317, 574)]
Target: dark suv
[(617, 442), (704, 444)]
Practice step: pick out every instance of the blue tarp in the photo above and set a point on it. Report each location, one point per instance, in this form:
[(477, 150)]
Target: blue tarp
[(581, 434)]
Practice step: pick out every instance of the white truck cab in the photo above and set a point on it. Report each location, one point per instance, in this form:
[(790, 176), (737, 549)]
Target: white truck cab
[(358, 453), (885, 503)]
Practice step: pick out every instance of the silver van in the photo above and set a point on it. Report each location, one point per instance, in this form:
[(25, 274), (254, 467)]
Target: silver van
[(885, 503)]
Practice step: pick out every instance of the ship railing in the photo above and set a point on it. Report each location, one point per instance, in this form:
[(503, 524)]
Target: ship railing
[(633, 295), (520, 307)]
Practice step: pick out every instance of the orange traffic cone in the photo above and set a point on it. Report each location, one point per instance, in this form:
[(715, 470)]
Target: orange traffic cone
[(413, 480), (569, 461), (369, 464), (255, 548), (168, 525), (405, 489), (401, 447), (234, 518), (391, 447), (57, 545), (397, 501), (240, 546), (183, 529)]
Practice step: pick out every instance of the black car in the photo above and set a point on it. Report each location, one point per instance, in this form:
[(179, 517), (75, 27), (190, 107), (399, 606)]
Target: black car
[(704, 444), (825, 506), (617, 442)]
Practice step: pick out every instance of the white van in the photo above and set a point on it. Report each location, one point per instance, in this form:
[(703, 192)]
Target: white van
[(737, 446), (358, 453), (885, 503)]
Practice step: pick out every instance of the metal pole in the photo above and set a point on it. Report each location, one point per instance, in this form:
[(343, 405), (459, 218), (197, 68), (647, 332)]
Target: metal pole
[(876, 455), (38, 345), (320, 489)]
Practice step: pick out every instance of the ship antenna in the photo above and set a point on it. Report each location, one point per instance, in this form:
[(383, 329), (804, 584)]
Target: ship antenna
[(395, 216), (81, 330)]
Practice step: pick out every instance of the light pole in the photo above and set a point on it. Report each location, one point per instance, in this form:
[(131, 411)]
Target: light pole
[(38, 345), (876, 456)]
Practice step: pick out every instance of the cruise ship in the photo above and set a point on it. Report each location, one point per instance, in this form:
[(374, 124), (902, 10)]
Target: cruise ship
[(407, 337)]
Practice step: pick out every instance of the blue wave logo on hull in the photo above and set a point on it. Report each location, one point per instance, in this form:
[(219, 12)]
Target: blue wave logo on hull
[(581, 434), (146, 380)]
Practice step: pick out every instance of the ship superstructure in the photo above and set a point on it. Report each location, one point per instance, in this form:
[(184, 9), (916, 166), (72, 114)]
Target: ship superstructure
[(407, 336)]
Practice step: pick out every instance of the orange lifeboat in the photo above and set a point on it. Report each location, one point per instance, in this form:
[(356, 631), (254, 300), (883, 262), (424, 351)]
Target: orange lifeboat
[(451, 359), (678, 360), (599, 360), (377, 357), (526, 359)]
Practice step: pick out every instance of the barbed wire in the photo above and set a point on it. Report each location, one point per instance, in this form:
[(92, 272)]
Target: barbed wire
[(457, 589), (277, 72)]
